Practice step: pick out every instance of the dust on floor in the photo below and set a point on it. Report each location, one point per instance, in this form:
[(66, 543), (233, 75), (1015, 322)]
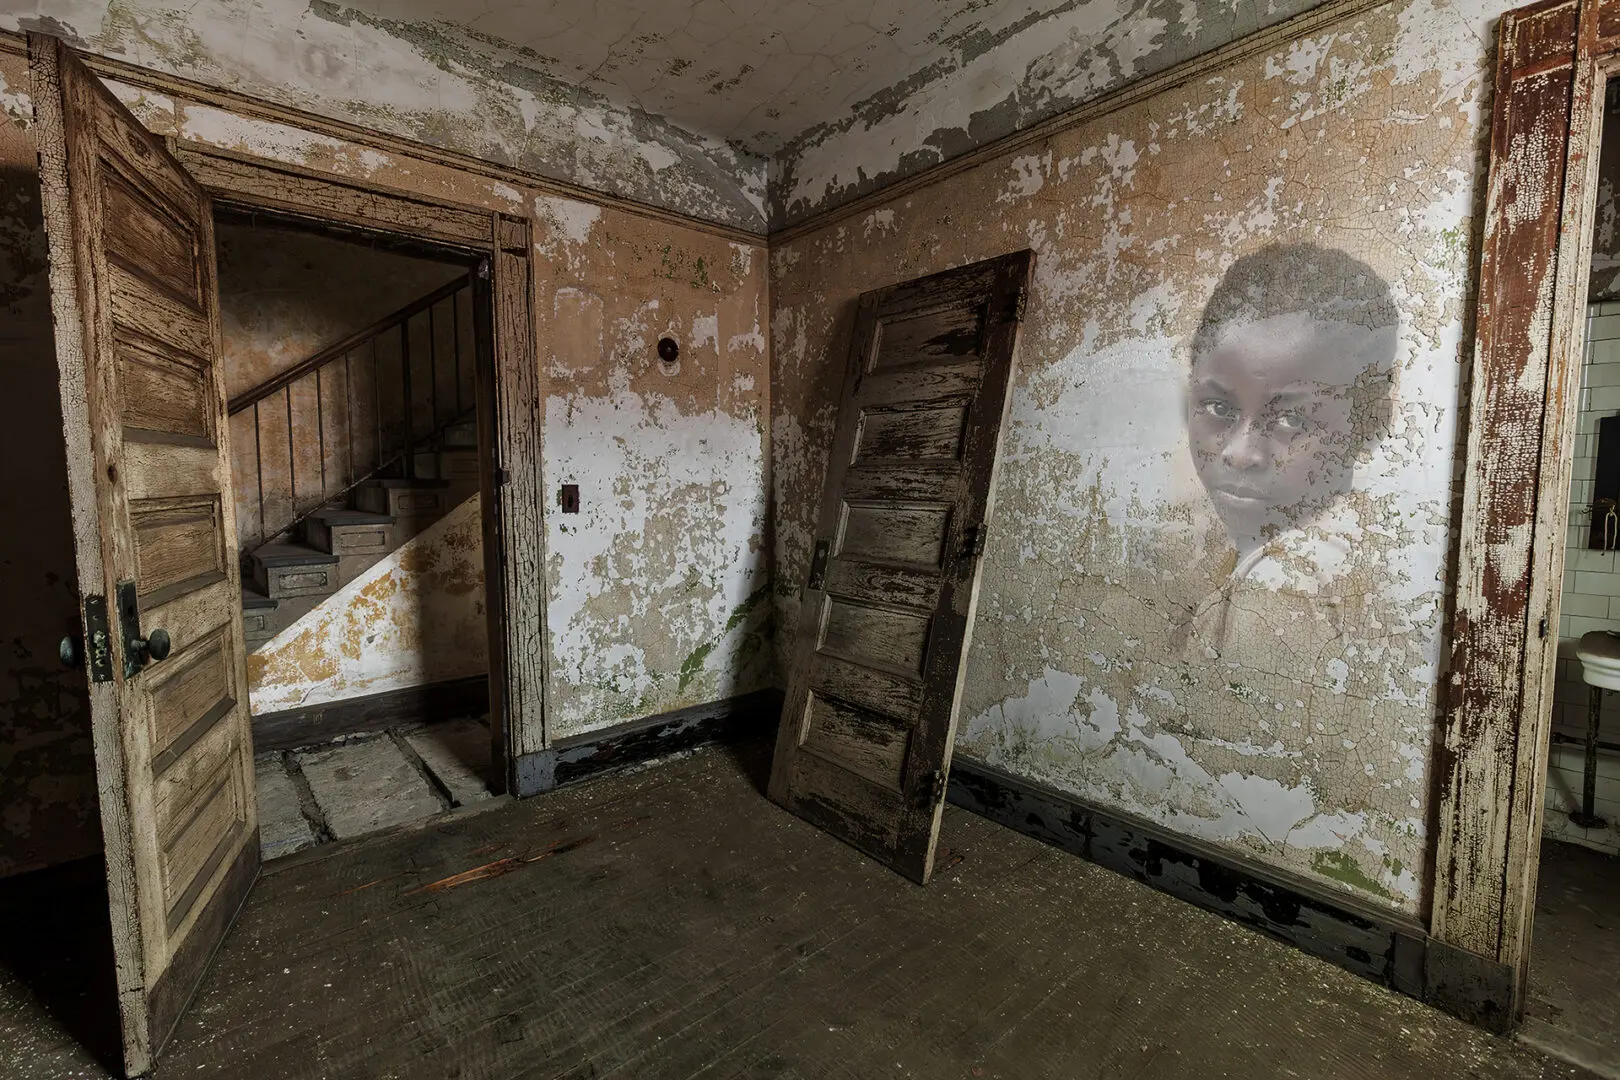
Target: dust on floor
[(1573, 1006)]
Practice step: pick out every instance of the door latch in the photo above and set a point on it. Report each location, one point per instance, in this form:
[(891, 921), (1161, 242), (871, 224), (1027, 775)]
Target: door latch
[(95, 650), (818, 565), (138, 650), (932, 788)]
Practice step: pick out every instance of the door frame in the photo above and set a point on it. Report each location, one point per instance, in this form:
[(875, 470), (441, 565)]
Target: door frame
[(1554, 60), (509, 397)]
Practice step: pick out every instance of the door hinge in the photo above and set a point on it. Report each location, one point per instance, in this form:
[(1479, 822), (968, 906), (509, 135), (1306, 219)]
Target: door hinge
[(98, 643), (818, 565), (1021, 303), (932, 789), (973, 539), (502, 477)]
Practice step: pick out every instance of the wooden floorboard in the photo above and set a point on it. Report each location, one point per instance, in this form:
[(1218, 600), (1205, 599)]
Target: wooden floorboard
[(672, 923)]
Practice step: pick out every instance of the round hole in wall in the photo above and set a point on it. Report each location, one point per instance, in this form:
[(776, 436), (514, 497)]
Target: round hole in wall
[(669, 356)]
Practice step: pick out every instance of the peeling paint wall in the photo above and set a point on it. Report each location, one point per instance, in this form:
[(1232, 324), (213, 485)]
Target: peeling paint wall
[(435, 82), (284, 295), (414, 618), (1302, 736), (1000, 68), (47, 769), (656, 589)]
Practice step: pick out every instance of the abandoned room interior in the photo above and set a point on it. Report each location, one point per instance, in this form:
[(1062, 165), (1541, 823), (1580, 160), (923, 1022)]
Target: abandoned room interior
[(1035, 539)]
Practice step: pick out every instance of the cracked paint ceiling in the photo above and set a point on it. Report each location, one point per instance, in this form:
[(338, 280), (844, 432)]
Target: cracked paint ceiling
[(754, 72)]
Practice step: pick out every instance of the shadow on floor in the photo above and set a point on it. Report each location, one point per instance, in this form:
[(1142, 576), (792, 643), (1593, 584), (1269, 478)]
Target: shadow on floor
[(1573, 1008), (56, 959), (752, 758)]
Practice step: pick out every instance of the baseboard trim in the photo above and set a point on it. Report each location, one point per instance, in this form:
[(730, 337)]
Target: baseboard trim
[(1376, 944), (595, 752), (292, 728)]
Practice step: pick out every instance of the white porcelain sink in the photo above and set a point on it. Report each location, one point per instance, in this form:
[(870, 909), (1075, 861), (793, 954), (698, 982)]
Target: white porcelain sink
[(1599, 652)]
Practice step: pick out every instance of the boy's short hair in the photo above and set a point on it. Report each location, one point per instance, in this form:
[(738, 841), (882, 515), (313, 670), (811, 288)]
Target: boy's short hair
[(1329, 285)]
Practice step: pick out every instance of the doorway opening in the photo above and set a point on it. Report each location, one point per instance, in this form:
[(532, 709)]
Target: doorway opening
[(1573, 1001), (351, 363)]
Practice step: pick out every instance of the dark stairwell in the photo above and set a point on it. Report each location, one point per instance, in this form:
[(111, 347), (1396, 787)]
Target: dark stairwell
[(347, 455)]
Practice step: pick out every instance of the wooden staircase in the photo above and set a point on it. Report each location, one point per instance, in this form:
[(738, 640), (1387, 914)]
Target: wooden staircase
[(384, 426), (291, 575)]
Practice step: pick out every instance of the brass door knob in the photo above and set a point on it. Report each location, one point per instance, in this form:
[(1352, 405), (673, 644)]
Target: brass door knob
[(70, 651)]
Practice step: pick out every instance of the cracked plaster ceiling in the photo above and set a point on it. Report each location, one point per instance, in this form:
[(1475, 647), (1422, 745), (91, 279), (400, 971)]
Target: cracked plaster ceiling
[(753, 72)]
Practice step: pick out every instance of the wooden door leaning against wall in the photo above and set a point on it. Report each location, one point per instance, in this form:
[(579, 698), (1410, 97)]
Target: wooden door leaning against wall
[(867, 726)]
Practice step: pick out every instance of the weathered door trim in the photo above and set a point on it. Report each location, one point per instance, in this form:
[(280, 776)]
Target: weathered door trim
[(512, 519), (1554, 59)]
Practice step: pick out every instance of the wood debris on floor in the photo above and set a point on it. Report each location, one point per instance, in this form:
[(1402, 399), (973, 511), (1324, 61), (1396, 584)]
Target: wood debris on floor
[(363, 784)]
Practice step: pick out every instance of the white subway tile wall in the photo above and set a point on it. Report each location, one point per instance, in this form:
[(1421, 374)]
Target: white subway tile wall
[(1590, 601)]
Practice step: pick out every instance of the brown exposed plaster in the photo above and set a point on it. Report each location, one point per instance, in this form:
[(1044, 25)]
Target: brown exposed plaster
[(1311, 22), (259, 109), (1179, 191)]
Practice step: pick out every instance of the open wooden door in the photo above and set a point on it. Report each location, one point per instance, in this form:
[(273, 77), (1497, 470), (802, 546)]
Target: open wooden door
[(143, 406), (864, 746)]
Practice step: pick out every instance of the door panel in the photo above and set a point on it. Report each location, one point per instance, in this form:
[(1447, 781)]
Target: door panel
[(137, 328), (865, 741)]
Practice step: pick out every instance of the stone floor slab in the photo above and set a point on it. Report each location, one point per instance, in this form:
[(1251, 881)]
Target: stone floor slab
[(457, 753), (362, 787), (283, 829)]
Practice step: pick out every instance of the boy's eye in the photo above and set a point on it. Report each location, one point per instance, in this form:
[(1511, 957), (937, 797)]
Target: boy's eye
[(1288, 422), (1220, 410)]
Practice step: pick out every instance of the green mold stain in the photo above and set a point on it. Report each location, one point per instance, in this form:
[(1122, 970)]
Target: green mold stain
[(1342, 868), (693, 664)]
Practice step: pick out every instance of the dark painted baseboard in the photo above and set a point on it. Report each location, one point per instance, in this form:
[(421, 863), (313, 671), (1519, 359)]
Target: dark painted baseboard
[(373, 712), (595, 752), (1376, 944)]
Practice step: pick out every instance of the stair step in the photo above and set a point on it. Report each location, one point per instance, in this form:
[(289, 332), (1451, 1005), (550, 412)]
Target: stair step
[(258, 617), (415, 500), (261, 624), (350, 532), (291, 555), (286, 570), (252, 600), (340, 515), (455, 463), (462, 433)]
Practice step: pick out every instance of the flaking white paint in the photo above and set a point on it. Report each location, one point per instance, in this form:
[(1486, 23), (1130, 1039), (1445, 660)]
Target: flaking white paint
[(669, 540), (1307, 747)]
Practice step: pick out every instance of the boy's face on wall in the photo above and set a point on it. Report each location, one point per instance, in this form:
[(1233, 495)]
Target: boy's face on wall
[(1269, 417)]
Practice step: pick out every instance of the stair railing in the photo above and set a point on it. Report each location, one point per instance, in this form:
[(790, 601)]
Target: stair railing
[(351, 410)]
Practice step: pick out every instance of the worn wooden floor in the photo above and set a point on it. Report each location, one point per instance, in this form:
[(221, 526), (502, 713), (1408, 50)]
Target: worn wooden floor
[(672, 923), (1574, 1000)]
